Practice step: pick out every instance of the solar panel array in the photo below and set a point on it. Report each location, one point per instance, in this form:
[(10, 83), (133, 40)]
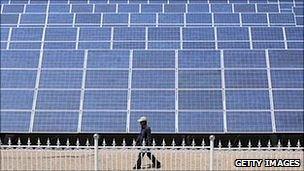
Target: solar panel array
[(199, 66)]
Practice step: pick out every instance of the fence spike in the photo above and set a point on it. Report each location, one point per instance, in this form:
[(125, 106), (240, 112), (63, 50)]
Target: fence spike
[(229, 144), (87, 142), (133, 142), (58, 143), (220, 144), (123, 142), (173, 143), (153, 143), (279, 143), (19, 142), (9, 141), (163, 143), (104, 142), (38, 142), (259, 144), (183, 142), (67, 142), (113, 142), (288, 143), (143, 143), (193, 142), (28, 141), (269, 144), (298, 143), (48, 143), (203, 143), (249, 144), (77, 143), (239, 144)]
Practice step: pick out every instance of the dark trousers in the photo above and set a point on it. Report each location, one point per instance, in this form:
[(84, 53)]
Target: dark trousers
[(151, 157)]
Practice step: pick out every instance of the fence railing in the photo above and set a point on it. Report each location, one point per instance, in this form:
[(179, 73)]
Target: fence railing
[(114, 156)]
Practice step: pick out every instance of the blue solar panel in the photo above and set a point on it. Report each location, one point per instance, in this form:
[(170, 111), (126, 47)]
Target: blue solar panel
[(190, 66), (153, 79), (246, 79), (105, 8), (152, 99), (143, 19), (289, 121), (15, 121), (199, 59), (151, 8), (60, 79), (199, 19), (175, 8), (288, 99), (267, 33), (199, 79), (56, 8), (200, 99), (88, 18), (129, 34), (254, 19), (60, 19), (9, 18), (171, 18), (63, 59), (32, 18), (165, 125), (226, 18), (232, 33), (58, 99), (154, 59), (108, 59), (60, 34), (105, 99), (247, 99), (104, 122), (164, 33), (115, 18), (19, 59), (198, 8), (18, 79), (254, 121), (201, 122), (35, 8), (286, 58), (16, 99), (244, 8), (198, 34), (294, 33), (82, 8), (55, 122), (106, 79), (128, 8), (221, 8), (287, 78)]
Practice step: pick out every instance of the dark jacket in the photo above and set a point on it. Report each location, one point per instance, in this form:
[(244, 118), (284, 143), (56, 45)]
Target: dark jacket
[(145, 134)]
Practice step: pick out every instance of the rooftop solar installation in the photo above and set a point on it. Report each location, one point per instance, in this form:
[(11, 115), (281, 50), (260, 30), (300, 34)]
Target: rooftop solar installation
[(190, 66)]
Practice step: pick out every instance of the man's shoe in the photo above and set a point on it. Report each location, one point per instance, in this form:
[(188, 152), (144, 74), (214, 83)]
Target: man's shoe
[(136, 168), (158, 165)]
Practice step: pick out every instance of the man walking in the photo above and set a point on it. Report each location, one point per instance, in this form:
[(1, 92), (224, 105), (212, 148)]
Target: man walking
[(145, 134)]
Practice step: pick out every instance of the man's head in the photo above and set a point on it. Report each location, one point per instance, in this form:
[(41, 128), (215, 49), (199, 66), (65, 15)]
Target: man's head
[(142, 120)]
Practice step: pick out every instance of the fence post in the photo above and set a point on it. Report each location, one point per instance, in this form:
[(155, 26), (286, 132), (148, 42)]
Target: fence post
[(96, 137), (211, 151)]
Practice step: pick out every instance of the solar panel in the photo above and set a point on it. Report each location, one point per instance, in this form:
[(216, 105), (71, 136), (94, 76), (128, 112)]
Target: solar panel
[(208, 66)]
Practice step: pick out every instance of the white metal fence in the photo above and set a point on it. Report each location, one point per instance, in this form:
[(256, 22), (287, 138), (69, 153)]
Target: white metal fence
[(115, 156)]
